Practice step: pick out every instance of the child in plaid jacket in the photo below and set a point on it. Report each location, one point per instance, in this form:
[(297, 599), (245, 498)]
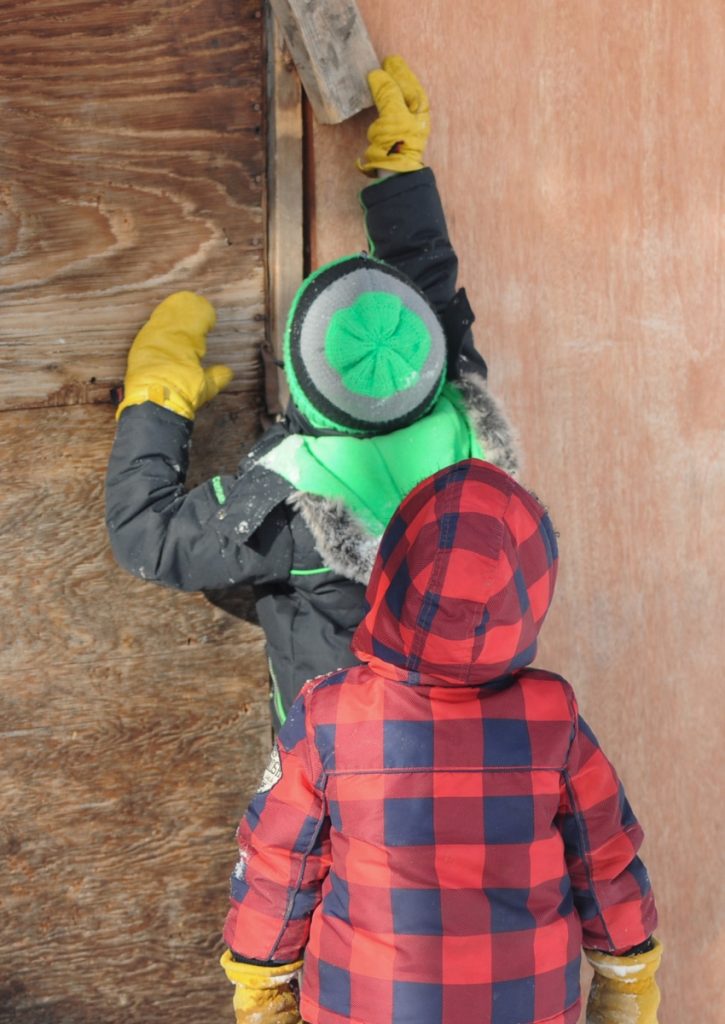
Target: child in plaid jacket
[(438, 831)]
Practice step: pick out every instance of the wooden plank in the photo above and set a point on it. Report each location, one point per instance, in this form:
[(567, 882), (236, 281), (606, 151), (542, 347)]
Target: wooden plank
[(132, 165), (332, 52), (285, 214)]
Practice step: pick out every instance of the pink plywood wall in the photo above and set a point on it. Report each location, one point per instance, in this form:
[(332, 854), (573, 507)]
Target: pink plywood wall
[(580, 151)]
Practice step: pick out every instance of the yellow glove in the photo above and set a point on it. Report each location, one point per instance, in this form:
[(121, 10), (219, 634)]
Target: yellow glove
[(164, 363), (264, 995), (624, 990), (398, 136)]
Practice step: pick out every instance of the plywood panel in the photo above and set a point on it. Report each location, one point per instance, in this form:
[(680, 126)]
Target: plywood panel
[(119, 786), (134, 720), (579, 149), (131, 165), (135, 723), (63, 599)]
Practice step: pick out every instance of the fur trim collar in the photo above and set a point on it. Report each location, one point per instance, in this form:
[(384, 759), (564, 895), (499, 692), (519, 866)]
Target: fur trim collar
[(344, 542), (490, 424)]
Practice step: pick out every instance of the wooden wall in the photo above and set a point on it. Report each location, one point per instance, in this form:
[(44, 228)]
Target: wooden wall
[(579, 151), (579, 148), (134, 720)]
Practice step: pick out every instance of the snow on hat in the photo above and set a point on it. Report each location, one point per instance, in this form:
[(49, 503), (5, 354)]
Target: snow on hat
[(364, 351)]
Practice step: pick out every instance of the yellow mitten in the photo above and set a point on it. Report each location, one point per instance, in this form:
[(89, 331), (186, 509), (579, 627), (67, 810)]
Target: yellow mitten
[(164, 363), (624, 990), (264, 995), (398, 136)]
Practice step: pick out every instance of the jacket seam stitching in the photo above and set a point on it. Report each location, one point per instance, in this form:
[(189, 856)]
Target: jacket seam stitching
[(578, 817), (297, 886), (313, 839)]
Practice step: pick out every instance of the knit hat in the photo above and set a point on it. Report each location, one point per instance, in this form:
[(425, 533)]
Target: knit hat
[(364, 351)]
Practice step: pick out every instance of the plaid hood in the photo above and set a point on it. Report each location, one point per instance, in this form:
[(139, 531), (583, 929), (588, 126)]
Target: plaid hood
[(462, 581)]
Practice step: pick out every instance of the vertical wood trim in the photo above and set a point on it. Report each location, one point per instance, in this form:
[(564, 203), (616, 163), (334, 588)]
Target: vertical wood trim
[(285, 228)]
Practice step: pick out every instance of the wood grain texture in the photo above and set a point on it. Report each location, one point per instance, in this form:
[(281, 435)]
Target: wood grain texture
[(77, 605), (285, 214), (579, 150), (131, 166), (120, 788), (332, 53), (135, 724), (134, 720)]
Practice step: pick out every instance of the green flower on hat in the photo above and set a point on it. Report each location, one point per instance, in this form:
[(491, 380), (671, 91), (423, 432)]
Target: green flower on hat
[(377, 345)]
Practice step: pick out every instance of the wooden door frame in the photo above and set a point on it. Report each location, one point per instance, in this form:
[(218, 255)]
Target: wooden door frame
[(285, 198)]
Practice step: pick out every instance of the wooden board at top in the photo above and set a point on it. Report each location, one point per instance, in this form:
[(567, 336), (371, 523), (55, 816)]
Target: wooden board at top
[(332, 52), (131, 166)]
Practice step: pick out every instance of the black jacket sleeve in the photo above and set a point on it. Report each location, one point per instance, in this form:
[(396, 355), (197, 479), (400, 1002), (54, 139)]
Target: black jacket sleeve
[(227, 530), (406, 227)]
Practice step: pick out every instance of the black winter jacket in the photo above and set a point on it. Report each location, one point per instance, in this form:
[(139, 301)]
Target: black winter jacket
[(307, 558)]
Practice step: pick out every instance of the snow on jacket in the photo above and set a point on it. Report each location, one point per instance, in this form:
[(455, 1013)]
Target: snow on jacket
[(307, 557), (438, 830)]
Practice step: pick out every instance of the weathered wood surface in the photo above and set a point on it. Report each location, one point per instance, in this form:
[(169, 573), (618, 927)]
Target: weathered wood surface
[(135, 724), (285, 210), (131, 166), (579, 150), (332, 52), (72, 602), (134, 720)]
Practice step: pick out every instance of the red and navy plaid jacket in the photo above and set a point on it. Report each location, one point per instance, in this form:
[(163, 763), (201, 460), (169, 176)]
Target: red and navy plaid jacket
[(438, 830)]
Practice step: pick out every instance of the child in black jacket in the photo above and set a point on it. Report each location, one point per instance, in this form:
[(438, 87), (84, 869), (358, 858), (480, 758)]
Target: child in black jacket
[(386, 388)]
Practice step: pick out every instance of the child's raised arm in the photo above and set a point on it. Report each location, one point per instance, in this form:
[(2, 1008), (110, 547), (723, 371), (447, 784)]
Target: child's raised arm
[(404, 217)]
